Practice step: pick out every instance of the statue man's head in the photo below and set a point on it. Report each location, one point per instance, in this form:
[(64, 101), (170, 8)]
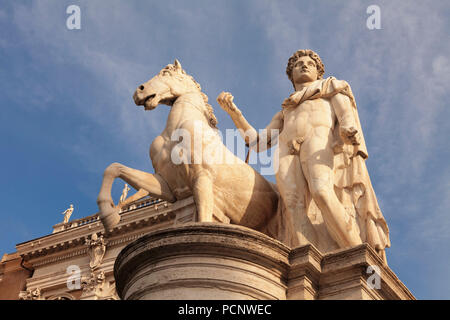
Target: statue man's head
[(304, 66)]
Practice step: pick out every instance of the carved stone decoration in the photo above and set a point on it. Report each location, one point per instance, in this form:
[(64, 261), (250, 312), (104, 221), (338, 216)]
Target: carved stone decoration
[(124, 194), (31, 294), (89, 283), (67, 213), (96, 251), (110, 293), (95, 287), (62, 298)]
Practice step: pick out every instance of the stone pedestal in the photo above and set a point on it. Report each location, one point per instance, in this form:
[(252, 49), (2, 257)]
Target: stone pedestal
[(356, 273), (203, 261), (222, 261)]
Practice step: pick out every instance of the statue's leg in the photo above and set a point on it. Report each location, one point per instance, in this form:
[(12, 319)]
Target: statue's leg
[(292, 186), (317, 159), (203, 193), (153, 184)]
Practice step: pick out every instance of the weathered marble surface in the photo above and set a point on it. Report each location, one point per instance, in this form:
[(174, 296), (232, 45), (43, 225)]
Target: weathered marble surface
[(208, 261)]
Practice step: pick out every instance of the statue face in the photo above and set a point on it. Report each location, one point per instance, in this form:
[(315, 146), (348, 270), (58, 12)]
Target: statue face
[(305, 70)]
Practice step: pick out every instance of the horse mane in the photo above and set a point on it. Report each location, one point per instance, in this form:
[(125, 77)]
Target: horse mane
[(212, 120)]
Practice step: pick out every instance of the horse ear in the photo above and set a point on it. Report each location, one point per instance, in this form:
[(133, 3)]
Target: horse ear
[(177, 65)]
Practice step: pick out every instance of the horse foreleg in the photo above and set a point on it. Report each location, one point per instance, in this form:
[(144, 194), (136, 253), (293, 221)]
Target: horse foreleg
[(153, 184), (203, 196)]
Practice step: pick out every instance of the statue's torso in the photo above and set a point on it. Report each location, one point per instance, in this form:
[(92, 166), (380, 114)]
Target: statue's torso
[(300, 121)]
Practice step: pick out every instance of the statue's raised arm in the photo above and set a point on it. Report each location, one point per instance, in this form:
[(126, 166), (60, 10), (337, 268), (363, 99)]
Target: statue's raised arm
[(259, 142)]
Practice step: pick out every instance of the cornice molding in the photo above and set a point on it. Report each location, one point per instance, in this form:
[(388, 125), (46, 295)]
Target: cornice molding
[(70, 243)]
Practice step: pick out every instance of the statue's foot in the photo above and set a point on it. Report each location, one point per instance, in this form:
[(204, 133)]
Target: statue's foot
[(109, 214)]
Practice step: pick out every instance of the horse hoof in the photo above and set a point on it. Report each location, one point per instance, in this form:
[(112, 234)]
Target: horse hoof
[(109, 215)]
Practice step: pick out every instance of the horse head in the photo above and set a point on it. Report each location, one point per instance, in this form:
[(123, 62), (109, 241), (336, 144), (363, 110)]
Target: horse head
[(164, 88)]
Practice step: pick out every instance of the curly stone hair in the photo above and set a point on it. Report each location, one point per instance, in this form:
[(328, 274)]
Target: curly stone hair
[(301, 53)]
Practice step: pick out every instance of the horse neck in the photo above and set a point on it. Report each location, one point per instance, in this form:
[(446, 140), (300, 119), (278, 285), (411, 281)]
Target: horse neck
[(190, 99), (187, 104)]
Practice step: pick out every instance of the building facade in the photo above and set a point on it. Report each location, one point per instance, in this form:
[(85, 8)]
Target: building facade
[(76, 261)]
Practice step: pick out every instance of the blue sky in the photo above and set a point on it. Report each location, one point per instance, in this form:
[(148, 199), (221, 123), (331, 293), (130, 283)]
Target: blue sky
[(67, 109)]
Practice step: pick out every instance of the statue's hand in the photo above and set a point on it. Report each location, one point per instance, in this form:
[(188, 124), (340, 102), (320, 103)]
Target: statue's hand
[(350, 135), (225, 100)]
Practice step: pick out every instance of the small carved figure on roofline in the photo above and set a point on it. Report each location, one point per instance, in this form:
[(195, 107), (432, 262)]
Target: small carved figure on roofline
[(67, 214)]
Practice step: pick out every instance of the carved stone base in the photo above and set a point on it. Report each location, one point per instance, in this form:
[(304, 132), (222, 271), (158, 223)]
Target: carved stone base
[(222, 261), (356, 273)]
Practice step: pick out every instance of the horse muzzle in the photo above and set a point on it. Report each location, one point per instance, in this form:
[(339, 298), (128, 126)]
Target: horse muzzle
[(148, 101)]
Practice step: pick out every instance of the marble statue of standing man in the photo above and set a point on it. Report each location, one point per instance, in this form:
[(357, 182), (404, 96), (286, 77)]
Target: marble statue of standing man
[(68, 213), (124, 193), (321, 177)]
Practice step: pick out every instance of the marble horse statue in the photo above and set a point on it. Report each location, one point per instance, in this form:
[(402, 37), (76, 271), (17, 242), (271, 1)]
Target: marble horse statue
[(190, 159)]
